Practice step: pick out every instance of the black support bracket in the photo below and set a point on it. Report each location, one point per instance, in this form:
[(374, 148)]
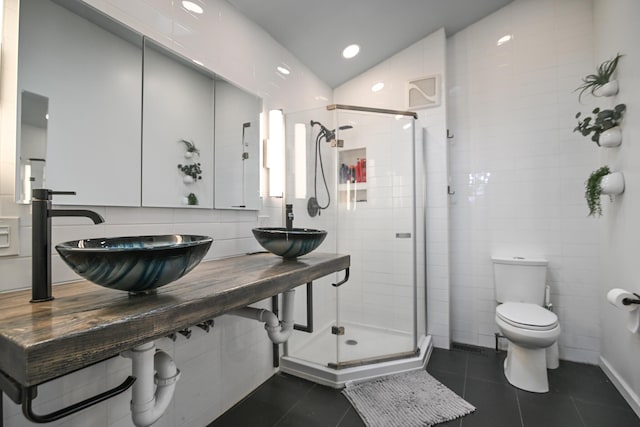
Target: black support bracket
[(343, 281), (30, 393), (309, 326)]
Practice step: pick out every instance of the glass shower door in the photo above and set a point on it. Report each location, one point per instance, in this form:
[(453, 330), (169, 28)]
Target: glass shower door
[(376, 308)]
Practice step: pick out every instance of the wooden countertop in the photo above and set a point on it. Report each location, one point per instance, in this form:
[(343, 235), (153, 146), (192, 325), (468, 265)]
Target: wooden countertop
[(87, 323)]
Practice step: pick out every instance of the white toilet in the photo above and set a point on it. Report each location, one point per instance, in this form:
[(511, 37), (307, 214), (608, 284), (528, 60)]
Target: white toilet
[(529, 328)]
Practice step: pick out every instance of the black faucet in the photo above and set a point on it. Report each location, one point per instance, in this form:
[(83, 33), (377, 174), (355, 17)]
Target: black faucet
[(41, 239), (289, 217)]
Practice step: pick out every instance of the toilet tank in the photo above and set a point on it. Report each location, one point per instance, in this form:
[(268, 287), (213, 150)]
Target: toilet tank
[(519, 279)]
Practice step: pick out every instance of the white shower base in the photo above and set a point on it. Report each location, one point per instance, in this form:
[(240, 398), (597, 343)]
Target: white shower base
[(311, 360)]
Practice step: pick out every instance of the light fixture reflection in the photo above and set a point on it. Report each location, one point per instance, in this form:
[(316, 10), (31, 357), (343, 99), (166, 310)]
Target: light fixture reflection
[(300, 149), (377, 87), (504, 39), (192, 7), (283, 70), (275, 156), (350, 51)]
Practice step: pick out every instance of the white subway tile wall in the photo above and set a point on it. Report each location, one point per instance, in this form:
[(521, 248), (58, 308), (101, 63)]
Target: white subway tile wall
[(517, 168), (424, 58)]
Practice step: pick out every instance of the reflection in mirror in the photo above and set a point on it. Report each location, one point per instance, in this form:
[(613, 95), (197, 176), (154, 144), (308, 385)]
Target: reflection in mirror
[(237, 131), (34, 114), (89, 68), (177, 130)]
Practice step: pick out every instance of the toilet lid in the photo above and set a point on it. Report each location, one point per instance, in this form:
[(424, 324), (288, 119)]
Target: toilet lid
[(528, 316)]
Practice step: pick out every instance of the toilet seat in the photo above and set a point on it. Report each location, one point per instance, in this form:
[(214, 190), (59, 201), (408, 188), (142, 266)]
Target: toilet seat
[(527, 316)]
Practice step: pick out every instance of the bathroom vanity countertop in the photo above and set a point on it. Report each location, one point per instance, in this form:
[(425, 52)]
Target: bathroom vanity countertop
[(87, 323)]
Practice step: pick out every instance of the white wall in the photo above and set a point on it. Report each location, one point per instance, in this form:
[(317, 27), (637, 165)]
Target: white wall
[(424, 58), (219, 368), (616, 30), (518, 169)]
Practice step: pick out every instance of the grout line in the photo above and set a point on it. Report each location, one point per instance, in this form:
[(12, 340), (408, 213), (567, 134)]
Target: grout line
[(519, 408), (464, 384), (573, 402), (294, 405), (343, 415), (466, 369)]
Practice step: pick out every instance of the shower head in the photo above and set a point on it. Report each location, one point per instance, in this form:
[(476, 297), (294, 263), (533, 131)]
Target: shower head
[(329, 135)]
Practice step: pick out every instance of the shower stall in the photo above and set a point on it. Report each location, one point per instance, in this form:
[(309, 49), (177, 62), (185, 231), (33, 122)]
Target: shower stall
[(359, 174)]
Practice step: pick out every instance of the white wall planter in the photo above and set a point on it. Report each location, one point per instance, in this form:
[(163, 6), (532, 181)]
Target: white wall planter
[(608, 89), (612, 184), (611, 137), (188, 179)]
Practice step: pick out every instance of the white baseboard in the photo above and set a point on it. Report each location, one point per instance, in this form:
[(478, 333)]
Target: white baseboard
[(625, 390)]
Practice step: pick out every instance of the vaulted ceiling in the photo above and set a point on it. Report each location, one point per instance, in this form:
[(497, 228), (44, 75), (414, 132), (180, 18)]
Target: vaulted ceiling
[(317, 31)]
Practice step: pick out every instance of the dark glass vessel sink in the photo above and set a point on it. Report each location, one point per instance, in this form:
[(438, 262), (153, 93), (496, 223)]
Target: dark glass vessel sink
[(289, 243), (135, 264)]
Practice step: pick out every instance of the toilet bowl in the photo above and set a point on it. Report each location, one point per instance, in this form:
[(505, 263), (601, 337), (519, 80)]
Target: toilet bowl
[(530, 329)]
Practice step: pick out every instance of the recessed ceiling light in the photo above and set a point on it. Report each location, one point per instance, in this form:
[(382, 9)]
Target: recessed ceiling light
[(377, 87), (350, 51), (192, 7), (283, 70), (504, 39)]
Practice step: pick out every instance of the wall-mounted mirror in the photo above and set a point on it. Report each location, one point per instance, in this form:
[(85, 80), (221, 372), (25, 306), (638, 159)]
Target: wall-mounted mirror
[(34, 114), (89, 67), (177, 131), (90, 74), (237, 130)]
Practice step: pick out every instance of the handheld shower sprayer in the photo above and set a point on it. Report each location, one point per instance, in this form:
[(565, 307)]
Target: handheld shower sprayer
[(313, 206)]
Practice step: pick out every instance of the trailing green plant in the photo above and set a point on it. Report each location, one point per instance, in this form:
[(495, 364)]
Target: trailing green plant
[(192, 199), (601, 121), (593, 190), (193, 170), (191, 147), (593, 82)]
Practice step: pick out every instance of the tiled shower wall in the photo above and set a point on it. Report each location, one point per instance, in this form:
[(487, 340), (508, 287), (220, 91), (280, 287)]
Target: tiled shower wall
[(424, 58), (517, 168)]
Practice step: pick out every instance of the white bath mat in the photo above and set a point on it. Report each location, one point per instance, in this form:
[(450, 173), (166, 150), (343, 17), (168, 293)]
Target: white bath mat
[(411, 399)]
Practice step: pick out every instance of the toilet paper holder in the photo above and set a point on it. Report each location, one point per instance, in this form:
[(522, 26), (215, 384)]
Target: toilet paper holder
[(629, 301)]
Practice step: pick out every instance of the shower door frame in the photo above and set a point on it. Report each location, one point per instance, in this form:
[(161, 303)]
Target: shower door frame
[(338, 365)]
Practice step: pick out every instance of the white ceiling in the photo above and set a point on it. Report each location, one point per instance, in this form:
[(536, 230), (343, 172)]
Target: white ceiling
[(316, 31)]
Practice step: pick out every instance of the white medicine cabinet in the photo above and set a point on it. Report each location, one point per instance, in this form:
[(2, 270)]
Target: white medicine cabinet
[(120, 133)]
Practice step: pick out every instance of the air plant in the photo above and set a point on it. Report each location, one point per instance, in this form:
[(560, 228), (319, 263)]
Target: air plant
[(191, 147), (593, 82)]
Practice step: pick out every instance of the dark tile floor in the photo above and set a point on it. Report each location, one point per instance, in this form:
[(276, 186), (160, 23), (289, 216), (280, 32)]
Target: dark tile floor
[(581, 395)]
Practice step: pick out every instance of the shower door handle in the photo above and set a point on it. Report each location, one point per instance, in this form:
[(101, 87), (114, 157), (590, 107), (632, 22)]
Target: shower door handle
[(403, 235)]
